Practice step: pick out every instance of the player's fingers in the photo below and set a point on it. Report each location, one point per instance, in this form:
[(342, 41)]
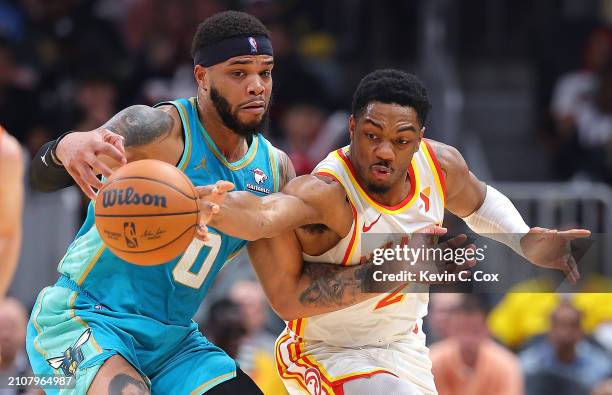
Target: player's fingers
[(202, 233), (454, 242), (205, 191), (89, 177), (111, 151), (85, 187), (431, 230), (114, 138), (101, 168), (574, 233), (224, 186)]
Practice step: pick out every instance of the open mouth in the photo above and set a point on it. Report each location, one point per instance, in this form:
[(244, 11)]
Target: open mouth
[(381, 171)]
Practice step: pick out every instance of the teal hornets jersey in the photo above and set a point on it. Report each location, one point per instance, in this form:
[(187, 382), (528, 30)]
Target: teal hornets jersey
[(172, 292)]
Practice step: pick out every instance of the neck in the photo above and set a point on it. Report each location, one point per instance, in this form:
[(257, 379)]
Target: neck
[(566, 354), (231, 145), (469, 357)]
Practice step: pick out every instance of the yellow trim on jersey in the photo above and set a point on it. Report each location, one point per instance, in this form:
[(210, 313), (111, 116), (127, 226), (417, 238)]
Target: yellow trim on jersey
[(91, 264), (189, 138), (94, 343), (212, 382), (246, 161), (273, 167), (241, 163), (352, 202), (434, 171), (38, 329), (372, 202)]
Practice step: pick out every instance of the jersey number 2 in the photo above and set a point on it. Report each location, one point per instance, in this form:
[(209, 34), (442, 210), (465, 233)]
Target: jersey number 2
[(182, 271)]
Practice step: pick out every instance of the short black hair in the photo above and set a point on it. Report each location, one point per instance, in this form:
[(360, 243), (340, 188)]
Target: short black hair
[(472, 303), (391, 86), (225, 25)]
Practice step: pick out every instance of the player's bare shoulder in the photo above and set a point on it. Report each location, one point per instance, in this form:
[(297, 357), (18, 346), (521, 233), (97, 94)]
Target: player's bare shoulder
[(451, 161)]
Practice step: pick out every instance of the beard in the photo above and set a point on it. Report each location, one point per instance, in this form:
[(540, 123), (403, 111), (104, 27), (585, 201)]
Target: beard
[(231, 120), (377, 188)]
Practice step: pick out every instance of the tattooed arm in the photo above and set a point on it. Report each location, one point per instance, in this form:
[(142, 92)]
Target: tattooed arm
[(298, 289), (137, 132)]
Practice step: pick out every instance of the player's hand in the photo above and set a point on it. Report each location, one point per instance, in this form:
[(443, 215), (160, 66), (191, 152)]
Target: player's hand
[(428, 238), (210, 199), (81, 154), (550, 248)]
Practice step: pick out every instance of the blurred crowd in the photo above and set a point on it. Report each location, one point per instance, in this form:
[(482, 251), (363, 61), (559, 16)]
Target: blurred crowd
[(580, 114), (71, 64)]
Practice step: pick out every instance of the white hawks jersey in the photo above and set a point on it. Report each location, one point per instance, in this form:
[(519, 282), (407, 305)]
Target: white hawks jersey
[(387, 317)]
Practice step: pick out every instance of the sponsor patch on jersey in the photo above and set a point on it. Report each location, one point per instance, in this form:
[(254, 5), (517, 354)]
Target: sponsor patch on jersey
[(260, 178)]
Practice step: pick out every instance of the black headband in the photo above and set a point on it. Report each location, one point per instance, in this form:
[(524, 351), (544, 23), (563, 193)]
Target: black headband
[(230, 47)]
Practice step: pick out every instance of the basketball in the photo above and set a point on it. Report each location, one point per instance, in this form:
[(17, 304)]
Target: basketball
[(147, 212)]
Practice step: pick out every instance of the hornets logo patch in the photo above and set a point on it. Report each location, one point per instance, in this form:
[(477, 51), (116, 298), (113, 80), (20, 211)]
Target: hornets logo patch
[(73, 356), (260, 178)]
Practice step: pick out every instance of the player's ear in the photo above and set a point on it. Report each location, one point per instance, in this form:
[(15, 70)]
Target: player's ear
[(201, 76), (352, 123)]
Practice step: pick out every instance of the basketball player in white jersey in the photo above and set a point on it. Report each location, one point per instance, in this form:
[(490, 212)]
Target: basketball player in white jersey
[(341, 338), (11, 207)]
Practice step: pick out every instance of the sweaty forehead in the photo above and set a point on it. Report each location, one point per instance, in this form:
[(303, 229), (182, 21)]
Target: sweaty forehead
[(390, 114)]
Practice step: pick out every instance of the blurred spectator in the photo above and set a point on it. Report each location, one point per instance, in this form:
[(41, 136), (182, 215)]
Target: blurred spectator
[(224, 326), (13, 359), (603, 388), (524, 313), (576, 88), (11, 208), (96, 101), (441, 304), (256, 351), (565, 353), (17, 102), (468, 362), (581, 113)]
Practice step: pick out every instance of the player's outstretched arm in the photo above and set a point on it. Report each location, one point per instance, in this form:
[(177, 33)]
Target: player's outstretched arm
[(488, 212), (304, 200), (137, 132), (11, 208)]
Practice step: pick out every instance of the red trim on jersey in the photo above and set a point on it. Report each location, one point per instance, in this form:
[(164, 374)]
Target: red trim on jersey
[(438, 168), (347, 253), (398, 206)]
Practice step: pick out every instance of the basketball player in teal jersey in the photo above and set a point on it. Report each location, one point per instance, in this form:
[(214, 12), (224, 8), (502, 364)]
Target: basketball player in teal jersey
[(111, 325)]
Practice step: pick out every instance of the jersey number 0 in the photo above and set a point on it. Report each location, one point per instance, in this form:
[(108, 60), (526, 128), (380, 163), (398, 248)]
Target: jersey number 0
[(182, 271)]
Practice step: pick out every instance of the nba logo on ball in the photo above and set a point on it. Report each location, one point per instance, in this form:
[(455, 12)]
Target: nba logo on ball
[(253, 44)]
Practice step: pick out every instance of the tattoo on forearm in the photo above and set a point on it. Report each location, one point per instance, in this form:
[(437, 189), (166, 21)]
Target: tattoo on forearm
[(124, 384), (140, 124), (335, 285)]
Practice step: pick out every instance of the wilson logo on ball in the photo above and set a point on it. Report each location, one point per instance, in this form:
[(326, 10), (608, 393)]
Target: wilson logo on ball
[(128, 196)]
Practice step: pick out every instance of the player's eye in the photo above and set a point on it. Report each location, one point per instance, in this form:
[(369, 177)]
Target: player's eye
[(403, 142), (267, 74), (238, 73), (371, 136)]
